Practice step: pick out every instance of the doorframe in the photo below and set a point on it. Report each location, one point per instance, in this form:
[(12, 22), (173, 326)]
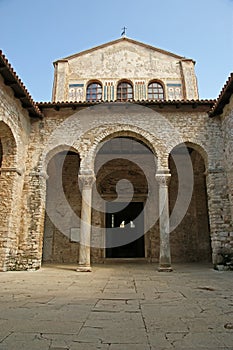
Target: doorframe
[(124, 200)]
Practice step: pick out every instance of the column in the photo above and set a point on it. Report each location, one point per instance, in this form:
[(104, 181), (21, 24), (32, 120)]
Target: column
[(85, 227), (165, 254)]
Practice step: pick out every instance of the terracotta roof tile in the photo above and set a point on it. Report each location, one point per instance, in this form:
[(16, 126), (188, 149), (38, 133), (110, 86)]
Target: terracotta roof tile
[(224, 97), (150, 103), (11, 79)]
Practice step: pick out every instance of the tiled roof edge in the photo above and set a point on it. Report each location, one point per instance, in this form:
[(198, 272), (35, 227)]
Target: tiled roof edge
[(223, 97), (64, 104), (11, 79)]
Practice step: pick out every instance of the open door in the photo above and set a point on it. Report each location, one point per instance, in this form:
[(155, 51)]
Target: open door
[(125, 230)]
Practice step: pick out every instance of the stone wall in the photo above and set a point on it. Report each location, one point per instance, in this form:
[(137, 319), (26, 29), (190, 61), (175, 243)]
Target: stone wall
[(32, 145), (129, 60), (14, 136), (227, 127), (84, 131)]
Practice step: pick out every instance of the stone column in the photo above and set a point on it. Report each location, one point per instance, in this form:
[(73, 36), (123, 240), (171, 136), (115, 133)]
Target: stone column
[(85, 227), (165, 254)]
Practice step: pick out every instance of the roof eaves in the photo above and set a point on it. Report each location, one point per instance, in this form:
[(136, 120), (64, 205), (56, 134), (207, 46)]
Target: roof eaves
[(223, 98), (178, 103), (12, 80)]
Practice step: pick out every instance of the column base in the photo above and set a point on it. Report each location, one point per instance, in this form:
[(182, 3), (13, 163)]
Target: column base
[(165, 269), (84, 269)]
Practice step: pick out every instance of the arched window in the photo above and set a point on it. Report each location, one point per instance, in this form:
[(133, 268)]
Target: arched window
[(124, 91), (94, 92), (155, 91)]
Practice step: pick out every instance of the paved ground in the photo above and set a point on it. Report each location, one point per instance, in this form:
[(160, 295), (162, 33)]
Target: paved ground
[(117, 307)]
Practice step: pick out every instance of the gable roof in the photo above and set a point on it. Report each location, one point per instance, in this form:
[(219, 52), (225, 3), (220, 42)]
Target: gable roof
[(123, 39), (12, 80), (224, 97)]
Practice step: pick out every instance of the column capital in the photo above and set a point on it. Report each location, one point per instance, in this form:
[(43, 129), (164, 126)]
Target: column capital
[(163, 178), (8, 170), (86, 180)]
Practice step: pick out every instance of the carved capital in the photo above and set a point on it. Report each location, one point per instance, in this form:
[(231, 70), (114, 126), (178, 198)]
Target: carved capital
[(86, 180), (163, 179), (41, 174), (8, 170)]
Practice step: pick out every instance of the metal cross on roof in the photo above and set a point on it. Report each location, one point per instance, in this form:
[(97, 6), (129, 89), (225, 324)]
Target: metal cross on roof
[(124, 31)]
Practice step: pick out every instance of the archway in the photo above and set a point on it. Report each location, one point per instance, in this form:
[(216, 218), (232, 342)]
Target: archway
[(63, 209), (190, 240), (7, 146), (8, 196), (125, 170)]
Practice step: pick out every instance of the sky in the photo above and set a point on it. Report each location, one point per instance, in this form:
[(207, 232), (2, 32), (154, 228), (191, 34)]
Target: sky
[(35, 33)]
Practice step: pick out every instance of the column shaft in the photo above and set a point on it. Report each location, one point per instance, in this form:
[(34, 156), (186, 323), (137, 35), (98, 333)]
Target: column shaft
[(85, 228), (165, 254)]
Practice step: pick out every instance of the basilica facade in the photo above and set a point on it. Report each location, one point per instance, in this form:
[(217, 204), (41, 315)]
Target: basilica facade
[(125, 163)]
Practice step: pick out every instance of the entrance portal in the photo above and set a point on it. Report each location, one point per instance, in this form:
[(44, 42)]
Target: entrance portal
[(125, 230)]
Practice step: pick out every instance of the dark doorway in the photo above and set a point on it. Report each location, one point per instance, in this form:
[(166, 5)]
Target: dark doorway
[(125, 230)]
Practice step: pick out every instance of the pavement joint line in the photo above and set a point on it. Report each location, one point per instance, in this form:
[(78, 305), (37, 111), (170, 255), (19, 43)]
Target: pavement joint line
[(132, 312)]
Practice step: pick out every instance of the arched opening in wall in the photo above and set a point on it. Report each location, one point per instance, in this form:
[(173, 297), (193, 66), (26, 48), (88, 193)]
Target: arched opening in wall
[(63, 209), (190, 240), (7, 147), (125, 170), (9, 198)]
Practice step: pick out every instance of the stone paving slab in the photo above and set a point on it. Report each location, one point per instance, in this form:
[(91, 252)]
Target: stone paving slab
[(117, 307)]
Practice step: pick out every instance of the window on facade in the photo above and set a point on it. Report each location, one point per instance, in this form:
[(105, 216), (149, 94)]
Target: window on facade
[(155, 91), (94, 92), (124, 91)]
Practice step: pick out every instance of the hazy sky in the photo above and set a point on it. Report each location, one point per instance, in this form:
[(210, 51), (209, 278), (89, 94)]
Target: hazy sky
[(34, 33)]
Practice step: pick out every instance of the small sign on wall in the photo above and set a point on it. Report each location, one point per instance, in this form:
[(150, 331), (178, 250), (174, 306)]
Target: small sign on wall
[(75, 234)]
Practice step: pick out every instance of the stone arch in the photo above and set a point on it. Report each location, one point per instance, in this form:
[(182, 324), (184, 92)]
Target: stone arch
[(115, 170), (190, 236), (196, 146), (62, 204), (9, 195), (200, 149), (46, 157), (8, 146), (104, 133)]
